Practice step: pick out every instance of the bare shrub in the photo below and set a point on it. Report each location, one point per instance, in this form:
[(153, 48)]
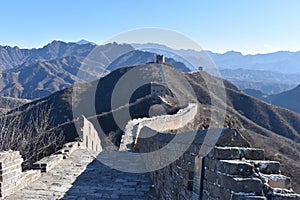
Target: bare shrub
[(30, 134)]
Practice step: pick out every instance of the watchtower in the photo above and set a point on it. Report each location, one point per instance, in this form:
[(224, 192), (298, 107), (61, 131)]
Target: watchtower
[(160, 58)]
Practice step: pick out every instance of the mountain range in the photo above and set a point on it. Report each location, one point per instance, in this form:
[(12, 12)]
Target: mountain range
[(271, 73), (281, 61), (59, 65), (268, 82), (45, 77), (288, 99), (266, 126), (36, 73), (11, 57)]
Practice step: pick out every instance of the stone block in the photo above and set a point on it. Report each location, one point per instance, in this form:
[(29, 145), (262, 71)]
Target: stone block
[(234, 167), (236, 196), (278, 181), (47, 163), (232, 153), (278, 196), (253, 154), (266, 166), (241, 185), (226, 153)]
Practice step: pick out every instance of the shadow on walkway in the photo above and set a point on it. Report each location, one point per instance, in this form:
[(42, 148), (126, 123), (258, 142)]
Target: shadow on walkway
[(99, 181)]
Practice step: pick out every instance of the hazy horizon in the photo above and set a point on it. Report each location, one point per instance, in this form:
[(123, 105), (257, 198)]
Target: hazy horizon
[(249, 26), (41, 46)]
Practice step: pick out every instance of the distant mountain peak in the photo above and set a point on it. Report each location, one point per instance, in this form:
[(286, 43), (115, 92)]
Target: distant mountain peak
[(80, 42), (232, 52)]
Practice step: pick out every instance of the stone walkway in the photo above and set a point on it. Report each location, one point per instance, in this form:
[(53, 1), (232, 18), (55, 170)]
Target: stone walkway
[(82, 177)]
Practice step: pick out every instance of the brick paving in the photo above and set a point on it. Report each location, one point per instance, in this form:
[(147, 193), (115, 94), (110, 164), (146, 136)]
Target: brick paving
[(82, 177)]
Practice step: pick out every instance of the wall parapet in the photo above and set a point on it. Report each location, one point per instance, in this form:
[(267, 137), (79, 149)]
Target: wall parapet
[(90, 137), (49, 162), (158, 123), (12, 178), (231, 170)]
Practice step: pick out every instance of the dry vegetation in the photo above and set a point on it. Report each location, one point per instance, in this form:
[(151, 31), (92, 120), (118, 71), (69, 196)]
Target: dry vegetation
[(34, 139)]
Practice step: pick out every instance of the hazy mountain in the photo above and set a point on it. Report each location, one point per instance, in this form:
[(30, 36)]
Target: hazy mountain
[(268, 82), (270, 73), (13, 56), (141, 57), (289, 99), (257, 94), (85, 42), (282, 61)]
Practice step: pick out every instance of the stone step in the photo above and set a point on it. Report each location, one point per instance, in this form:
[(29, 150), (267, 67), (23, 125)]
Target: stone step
[(277, 181), (237, 196), (250, 186), (241, 185), (282, 194), (233, 153), (235, 167), (266, 166)]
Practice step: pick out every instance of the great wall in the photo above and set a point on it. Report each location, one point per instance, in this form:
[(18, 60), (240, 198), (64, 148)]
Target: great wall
[(159, 123), (230, 170)]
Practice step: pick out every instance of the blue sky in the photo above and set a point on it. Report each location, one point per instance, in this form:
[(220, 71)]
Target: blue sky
[(249, 26)]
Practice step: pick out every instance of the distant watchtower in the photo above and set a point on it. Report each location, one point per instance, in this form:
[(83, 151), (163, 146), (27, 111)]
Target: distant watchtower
[(160, 58)]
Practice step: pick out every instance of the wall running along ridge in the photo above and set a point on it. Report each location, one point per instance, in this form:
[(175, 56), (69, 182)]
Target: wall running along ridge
[(159, 123)]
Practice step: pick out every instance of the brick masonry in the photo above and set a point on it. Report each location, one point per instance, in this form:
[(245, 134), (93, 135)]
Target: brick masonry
[(12, 178), (157, 123), (231, 170)]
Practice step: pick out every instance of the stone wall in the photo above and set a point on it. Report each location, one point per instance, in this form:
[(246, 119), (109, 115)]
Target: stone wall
[(159, 123), (12, 178), (231, 170), (49, 162), (91, 139)]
